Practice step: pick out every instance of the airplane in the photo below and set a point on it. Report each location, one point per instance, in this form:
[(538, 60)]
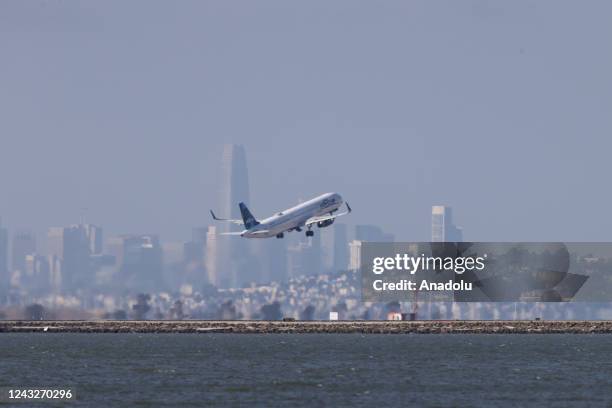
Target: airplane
[(318, 211)]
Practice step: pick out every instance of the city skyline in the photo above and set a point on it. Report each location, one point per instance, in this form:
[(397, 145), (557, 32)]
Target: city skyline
[(499, 110), (80, 276), (231, 172), (84, 259), (233, 187), (266, 202)]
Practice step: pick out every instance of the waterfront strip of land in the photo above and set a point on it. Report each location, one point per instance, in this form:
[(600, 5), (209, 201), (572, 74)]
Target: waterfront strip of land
[(297, 327)]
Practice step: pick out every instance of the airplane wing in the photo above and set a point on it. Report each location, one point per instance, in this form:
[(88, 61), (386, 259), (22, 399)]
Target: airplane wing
[(238, 222), (260, 232), (314, 220)]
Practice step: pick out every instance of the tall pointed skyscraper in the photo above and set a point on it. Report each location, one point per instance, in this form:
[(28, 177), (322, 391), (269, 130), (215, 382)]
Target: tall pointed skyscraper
[(235, 180), (233, 266)]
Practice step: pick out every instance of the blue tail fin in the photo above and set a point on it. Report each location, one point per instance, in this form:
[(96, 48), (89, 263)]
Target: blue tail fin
[(247, 217)]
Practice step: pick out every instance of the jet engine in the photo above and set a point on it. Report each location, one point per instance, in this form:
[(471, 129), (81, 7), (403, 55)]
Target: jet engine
[(326, 223)]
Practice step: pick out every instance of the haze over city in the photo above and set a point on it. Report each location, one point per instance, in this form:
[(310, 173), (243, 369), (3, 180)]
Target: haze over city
[(498, 109), (210, 202)]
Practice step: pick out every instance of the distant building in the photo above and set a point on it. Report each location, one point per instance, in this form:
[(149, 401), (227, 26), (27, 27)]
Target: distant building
[(95, 238), (312, 255), (368, 233), (372, 233), (139, 258), (235, 180), (354, 255), (24, 243), (73, 254), (55, 242), (270, 256), (334, 247), (233, 255), (174, 252), (195, 249), (304, 257), (198, 234), (55, 273), (192, 269), (295, 260), (341, 249), (442, 227), (212, 257), (176, 271), (77, 272), (36, 276)]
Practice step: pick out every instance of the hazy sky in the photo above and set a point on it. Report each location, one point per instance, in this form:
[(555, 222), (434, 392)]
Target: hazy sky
[(502, 109)]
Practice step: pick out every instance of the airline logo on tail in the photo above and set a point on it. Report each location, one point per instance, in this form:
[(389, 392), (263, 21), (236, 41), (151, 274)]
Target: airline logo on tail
[(247, 217)]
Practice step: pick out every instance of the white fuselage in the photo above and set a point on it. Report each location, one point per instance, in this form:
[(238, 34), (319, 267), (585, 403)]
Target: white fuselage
[(295, 217)]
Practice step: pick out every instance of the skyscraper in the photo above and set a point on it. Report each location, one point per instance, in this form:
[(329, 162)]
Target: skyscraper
[(70, 251), (36, 277), (295, 260), (55, 273), (271, 255), (24, 243), (368, 233), (304, 257), (233, 255), (211, 258), (442, 227), (76, 273), (139, 258), (193, 271), (95, 238), (334, 248), (195, 249), (354, 255), (372, 233), (235, 180), (341, 254)]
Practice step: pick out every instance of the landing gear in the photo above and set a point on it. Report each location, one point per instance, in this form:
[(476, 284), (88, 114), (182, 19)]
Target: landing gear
[(280, 235), (310, 233), (298, 229)]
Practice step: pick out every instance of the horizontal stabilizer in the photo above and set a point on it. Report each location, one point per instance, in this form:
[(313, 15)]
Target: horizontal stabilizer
[(239, 222)]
